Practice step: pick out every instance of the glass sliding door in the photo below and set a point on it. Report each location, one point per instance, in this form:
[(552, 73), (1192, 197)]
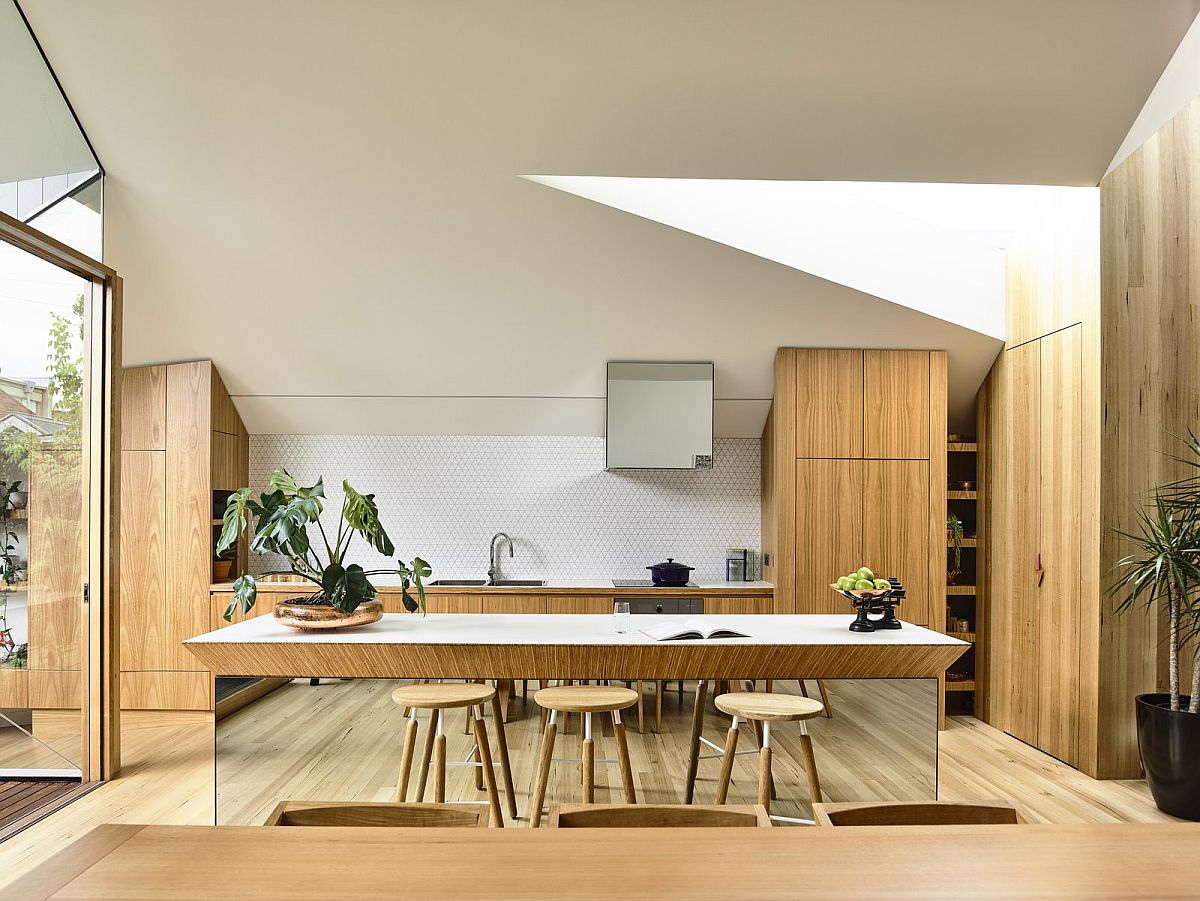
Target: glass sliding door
[(45, 399)]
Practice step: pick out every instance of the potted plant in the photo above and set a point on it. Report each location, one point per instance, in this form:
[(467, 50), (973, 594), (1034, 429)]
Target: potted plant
[(1164, 570), (345, 595), (954, 534)]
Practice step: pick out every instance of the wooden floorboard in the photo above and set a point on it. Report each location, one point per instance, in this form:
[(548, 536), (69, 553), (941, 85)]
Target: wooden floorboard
[(168, 778)]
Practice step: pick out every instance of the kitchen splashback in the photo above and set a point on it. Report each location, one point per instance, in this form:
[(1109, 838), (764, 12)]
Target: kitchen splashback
[(444, 497)]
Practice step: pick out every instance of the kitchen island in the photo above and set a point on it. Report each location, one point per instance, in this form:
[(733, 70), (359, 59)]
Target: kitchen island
[(339, 740)]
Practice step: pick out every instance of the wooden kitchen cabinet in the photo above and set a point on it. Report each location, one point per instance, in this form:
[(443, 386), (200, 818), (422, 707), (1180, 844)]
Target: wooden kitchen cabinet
[(829, 532), (826, 394), (577, 604), (184, 448), (853, 474), (896, 404)]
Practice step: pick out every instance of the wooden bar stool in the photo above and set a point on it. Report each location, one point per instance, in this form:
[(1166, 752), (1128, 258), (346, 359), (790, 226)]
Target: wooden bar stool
[(920, 813), (585, 700), (626, 816), (697, 738), (377, 813), (762, 707), (438, 698)]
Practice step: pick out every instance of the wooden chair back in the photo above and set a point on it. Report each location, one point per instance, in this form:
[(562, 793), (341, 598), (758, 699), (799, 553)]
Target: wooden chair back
[(377, 813), (621, 816), (927, 813)]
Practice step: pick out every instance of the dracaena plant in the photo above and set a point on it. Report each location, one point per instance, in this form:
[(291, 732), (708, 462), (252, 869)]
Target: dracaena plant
[(280, 526)]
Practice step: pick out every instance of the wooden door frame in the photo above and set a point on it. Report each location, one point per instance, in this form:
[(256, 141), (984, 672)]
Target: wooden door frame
[(99, 653)]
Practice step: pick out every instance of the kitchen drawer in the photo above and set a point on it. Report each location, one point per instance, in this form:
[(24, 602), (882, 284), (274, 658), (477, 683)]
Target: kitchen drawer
[(665, 605)]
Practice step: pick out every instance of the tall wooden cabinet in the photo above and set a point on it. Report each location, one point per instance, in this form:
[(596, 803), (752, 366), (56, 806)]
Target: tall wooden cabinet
[(183, 450), (854, 472), (1035, 611)]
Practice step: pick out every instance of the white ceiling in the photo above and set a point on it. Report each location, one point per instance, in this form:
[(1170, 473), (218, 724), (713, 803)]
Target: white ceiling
[(325, 198)]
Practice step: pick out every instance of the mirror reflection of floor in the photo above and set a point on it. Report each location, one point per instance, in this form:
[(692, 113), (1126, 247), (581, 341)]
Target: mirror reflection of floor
[(40, 739), (341, 740)]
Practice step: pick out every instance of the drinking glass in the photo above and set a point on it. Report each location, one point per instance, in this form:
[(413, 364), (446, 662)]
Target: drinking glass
[(621, 616)]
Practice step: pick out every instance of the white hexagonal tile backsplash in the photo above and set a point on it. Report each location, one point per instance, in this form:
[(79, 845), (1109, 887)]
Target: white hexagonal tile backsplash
[(443, 497)]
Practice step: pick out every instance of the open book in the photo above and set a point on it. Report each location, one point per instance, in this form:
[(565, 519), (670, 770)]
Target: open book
[(691, 629)]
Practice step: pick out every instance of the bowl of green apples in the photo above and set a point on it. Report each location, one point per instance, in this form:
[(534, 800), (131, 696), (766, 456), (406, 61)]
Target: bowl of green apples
[(862, 583)]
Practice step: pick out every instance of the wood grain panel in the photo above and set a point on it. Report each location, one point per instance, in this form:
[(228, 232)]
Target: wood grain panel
[(828, 401), (652, 661), (533, 603), (166, 690), (769, 500), (828, 529), (1150, 390), (224, 414), (895, 529), (189, 512), (1024, 454), (55, 689), (144, 408), (14, 687), (146, 638), (55, 560), (1058, 607), (718, 606), (226, 462), (451, 603), (896, 404), (265, 604), (558, 604), (936, 561), (163, 863)]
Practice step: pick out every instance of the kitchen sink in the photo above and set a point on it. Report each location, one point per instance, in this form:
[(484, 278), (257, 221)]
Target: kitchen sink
[(519, 583), (460, 583)]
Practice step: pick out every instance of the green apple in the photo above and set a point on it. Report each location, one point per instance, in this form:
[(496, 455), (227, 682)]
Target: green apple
[(844, 584), (882, 584), (863, 585), (865, 573)]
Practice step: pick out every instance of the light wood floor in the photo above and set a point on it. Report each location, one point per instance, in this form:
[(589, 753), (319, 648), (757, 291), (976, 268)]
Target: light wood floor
[(168, 778)]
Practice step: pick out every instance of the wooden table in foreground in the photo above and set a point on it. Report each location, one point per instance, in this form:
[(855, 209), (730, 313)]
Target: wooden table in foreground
[(547, 646), (224, 862)]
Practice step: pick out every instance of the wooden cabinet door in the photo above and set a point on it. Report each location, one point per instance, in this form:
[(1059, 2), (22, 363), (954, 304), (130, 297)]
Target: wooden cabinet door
[(150, 636), (829, 508), (226, 457), (453, 603), (570, 603), (1016, 638), (514, 603), (1058, 599), (829, 401), (739, 605), (895, 524), (896, 404)]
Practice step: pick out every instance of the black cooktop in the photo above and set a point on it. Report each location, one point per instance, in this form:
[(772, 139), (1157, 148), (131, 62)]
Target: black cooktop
[(646, 583)]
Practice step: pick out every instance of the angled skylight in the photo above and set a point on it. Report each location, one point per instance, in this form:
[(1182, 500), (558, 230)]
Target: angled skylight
[(934, 248)]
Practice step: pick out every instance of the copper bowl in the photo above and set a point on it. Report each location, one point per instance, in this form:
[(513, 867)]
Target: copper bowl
[(311, 617)]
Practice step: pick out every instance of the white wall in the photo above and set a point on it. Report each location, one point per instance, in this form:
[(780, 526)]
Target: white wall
[(442, 498), (1179, 83)]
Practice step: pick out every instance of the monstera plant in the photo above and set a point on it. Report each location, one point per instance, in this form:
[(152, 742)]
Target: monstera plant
[(281, 519)]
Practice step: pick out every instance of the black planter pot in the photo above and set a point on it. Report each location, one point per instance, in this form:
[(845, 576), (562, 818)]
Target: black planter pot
[(1169, 741)]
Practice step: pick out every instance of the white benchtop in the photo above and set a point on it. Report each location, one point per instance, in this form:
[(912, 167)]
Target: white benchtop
[(570, 629)]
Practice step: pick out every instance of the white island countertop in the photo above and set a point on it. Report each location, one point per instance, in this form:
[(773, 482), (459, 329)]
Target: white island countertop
[(575, 646)]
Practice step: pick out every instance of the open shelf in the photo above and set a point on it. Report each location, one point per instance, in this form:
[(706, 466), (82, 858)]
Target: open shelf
[(962, 447), (960, 685), (960, 589), (966, 542), (960, 495), (963, 636)]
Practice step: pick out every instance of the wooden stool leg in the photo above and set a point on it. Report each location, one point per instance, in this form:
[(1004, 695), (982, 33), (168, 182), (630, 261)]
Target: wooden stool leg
[(758, 735), (439, 760), (510, 794), (476, 756), (810, 765), (485, 760), (659, 688), (764, 769), (731, 740), (623, 758), (589, 761), (803, 688), (543, 771), (406, 757), (697, 728), (641, 710), (504, 689), (426, 754), (825, 699)]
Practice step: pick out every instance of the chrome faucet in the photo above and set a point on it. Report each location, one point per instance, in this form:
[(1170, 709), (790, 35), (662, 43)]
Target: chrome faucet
[(492, 555)]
